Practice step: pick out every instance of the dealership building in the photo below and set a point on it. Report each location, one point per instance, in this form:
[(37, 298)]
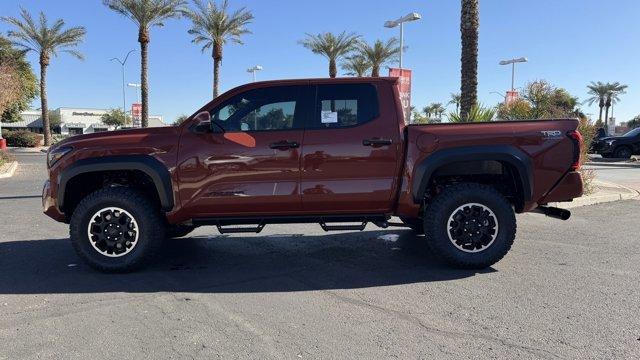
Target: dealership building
[(73, 121)]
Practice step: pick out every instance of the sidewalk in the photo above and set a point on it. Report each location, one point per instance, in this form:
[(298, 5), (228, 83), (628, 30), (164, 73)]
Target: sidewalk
[(604, 192), (7, 170), (40, 149)]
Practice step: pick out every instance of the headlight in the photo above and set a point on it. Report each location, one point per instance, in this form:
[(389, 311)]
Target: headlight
[(55, 154), (610, 142)]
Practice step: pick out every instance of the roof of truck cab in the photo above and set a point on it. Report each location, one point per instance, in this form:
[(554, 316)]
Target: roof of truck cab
[(340, 80), (294, 82)]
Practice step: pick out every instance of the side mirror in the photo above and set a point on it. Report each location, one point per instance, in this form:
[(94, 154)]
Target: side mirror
[(204, 124)]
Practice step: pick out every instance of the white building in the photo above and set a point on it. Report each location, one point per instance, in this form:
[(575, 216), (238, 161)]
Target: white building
[(73, 121)]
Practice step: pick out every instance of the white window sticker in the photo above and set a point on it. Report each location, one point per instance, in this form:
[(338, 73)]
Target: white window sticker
[(329, 117)]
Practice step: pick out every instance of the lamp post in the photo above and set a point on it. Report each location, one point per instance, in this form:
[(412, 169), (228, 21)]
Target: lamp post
[(253, 70), (504, 97), (393, 23), (513, 62), (122, 64), (137, 92)]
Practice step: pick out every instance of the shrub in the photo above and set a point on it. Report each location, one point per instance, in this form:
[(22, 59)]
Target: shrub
[(478, 113), (23, 138), (588, 131), (5, 157)]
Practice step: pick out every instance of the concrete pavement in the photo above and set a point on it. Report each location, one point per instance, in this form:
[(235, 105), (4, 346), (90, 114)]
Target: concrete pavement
[(566, 290)]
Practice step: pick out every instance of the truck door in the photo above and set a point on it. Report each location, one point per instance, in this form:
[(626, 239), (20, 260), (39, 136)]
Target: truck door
[(351, 151), (253, 167)]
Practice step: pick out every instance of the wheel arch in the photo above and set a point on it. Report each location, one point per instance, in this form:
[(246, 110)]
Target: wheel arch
[(151, 167), (517, 160)]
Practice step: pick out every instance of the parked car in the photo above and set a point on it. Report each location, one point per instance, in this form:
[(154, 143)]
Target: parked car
[(336, 152), (622, 147)]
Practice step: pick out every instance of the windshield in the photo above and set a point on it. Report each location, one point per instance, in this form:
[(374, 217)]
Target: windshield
[(632, 133)]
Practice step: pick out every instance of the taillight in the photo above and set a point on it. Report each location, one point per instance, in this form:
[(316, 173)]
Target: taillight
[(578, 143)]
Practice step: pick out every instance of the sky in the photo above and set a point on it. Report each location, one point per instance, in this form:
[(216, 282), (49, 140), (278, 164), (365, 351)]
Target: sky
[(568, 43)]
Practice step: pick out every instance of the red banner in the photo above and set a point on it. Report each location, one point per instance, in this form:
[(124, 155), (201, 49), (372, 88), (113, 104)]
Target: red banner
[(136, 114), (404, 87)]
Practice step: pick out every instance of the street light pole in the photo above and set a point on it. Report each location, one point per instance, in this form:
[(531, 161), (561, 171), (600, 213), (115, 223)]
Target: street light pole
[(122, 64), (513, 62), (136, 86), (253, 71), (393, 23)]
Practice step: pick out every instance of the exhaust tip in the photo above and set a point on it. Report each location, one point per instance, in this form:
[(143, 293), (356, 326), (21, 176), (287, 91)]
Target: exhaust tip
[(554, 212)]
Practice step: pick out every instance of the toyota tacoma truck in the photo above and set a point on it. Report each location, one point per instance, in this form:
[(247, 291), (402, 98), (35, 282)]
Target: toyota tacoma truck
[(336, 152)]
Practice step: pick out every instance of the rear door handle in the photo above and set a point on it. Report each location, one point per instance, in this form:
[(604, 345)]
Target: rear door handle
[(284, 145), (376, 142)]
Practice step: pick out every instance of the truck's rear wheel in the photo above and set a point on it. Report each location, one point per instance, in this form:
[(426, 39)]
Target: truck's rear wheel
[(470, 225), (116, 229)]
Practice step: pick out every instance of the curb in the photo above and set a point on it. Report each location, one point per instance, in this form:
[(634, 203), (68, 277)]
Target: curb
[(9, 173), (600, 199), (630, 164), (37, 150)]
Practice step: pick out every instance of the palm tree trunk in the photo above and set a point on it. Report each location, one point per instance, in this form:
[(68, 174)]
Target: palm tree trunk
[(469, 24), (217, 59), (600, 115), (44, 106), (333, 68), (375, 71), (143, 38), (606, 119)]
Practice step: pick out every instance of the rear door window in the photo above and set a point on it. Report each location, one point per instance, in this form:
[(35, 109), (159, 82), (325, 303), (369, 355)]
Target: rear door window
[(344, 105)]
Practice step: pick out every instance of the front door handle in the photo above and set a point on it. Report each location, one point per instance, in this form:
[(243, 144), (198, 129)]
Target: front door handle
[(376, 142), (284, 145)]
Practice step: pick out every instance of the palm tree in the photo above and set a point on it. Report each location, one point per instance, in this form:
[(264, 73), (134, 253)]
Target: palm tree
[(469, 24), (47, 41), (331, 46), (615, 90), (379, 54), (214, 26), (598, 91), (455, 100), (146, 14), (438, 110), (356, 65), (605, 94)]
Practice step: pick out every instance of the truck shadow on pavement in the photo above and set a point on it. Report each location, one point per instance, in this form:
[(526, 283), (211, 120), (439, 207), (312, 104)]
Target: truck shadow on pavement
[(221, 264)]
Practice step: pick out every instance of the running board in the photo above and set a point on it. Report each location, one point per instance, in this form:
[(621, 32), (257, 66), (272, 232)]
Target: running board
[(326, 227), (238, 230), (229, 225)]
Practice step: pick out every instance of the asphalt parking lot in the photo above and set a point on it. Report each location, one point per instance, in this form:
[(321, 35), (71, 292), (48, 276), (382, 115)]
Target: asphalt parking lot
[(566, 290)]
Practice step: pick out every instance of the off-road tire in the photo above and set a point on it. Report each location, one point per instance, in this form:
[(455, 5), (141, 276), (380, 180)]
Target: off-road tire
[(436, 225), (178, 231), (151, 229)]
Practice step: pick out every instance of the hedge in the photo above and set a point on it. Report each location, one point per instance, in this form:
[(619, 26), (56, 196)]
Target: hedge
[(22, 138)]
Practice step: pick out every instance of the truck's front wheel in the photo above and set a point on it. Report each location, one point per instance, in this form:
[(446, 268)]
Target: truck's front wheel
[(470, 225), (116, 229)]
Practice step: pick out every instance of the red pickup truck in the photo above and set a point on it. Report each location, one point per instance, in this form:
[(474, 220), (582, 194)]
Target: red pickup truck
[(336, 152)]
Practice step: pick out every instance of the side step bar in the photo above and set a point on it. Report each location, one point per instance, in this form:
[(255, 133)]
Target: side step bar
[(257, 224), (553, 212), (237, 230)]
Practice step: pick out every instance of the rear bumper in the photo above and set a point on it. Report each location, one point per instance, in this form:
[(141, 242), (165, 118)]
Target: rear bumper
[(49, 205), (569, 188)]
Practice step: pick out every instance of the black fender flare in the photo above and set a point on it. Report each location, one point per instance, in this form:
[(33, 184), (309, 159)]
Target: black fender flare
[(156, 170), (502, 153)]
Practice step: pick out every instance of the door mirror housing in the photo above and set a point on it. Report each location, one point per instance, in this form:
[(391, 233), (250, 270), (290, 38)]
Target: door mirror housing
[(204, 124)]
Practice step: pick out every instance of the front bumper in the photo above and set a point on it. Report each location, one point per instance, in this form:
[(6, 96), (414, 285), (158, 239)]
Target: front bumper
[(49, 205)]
